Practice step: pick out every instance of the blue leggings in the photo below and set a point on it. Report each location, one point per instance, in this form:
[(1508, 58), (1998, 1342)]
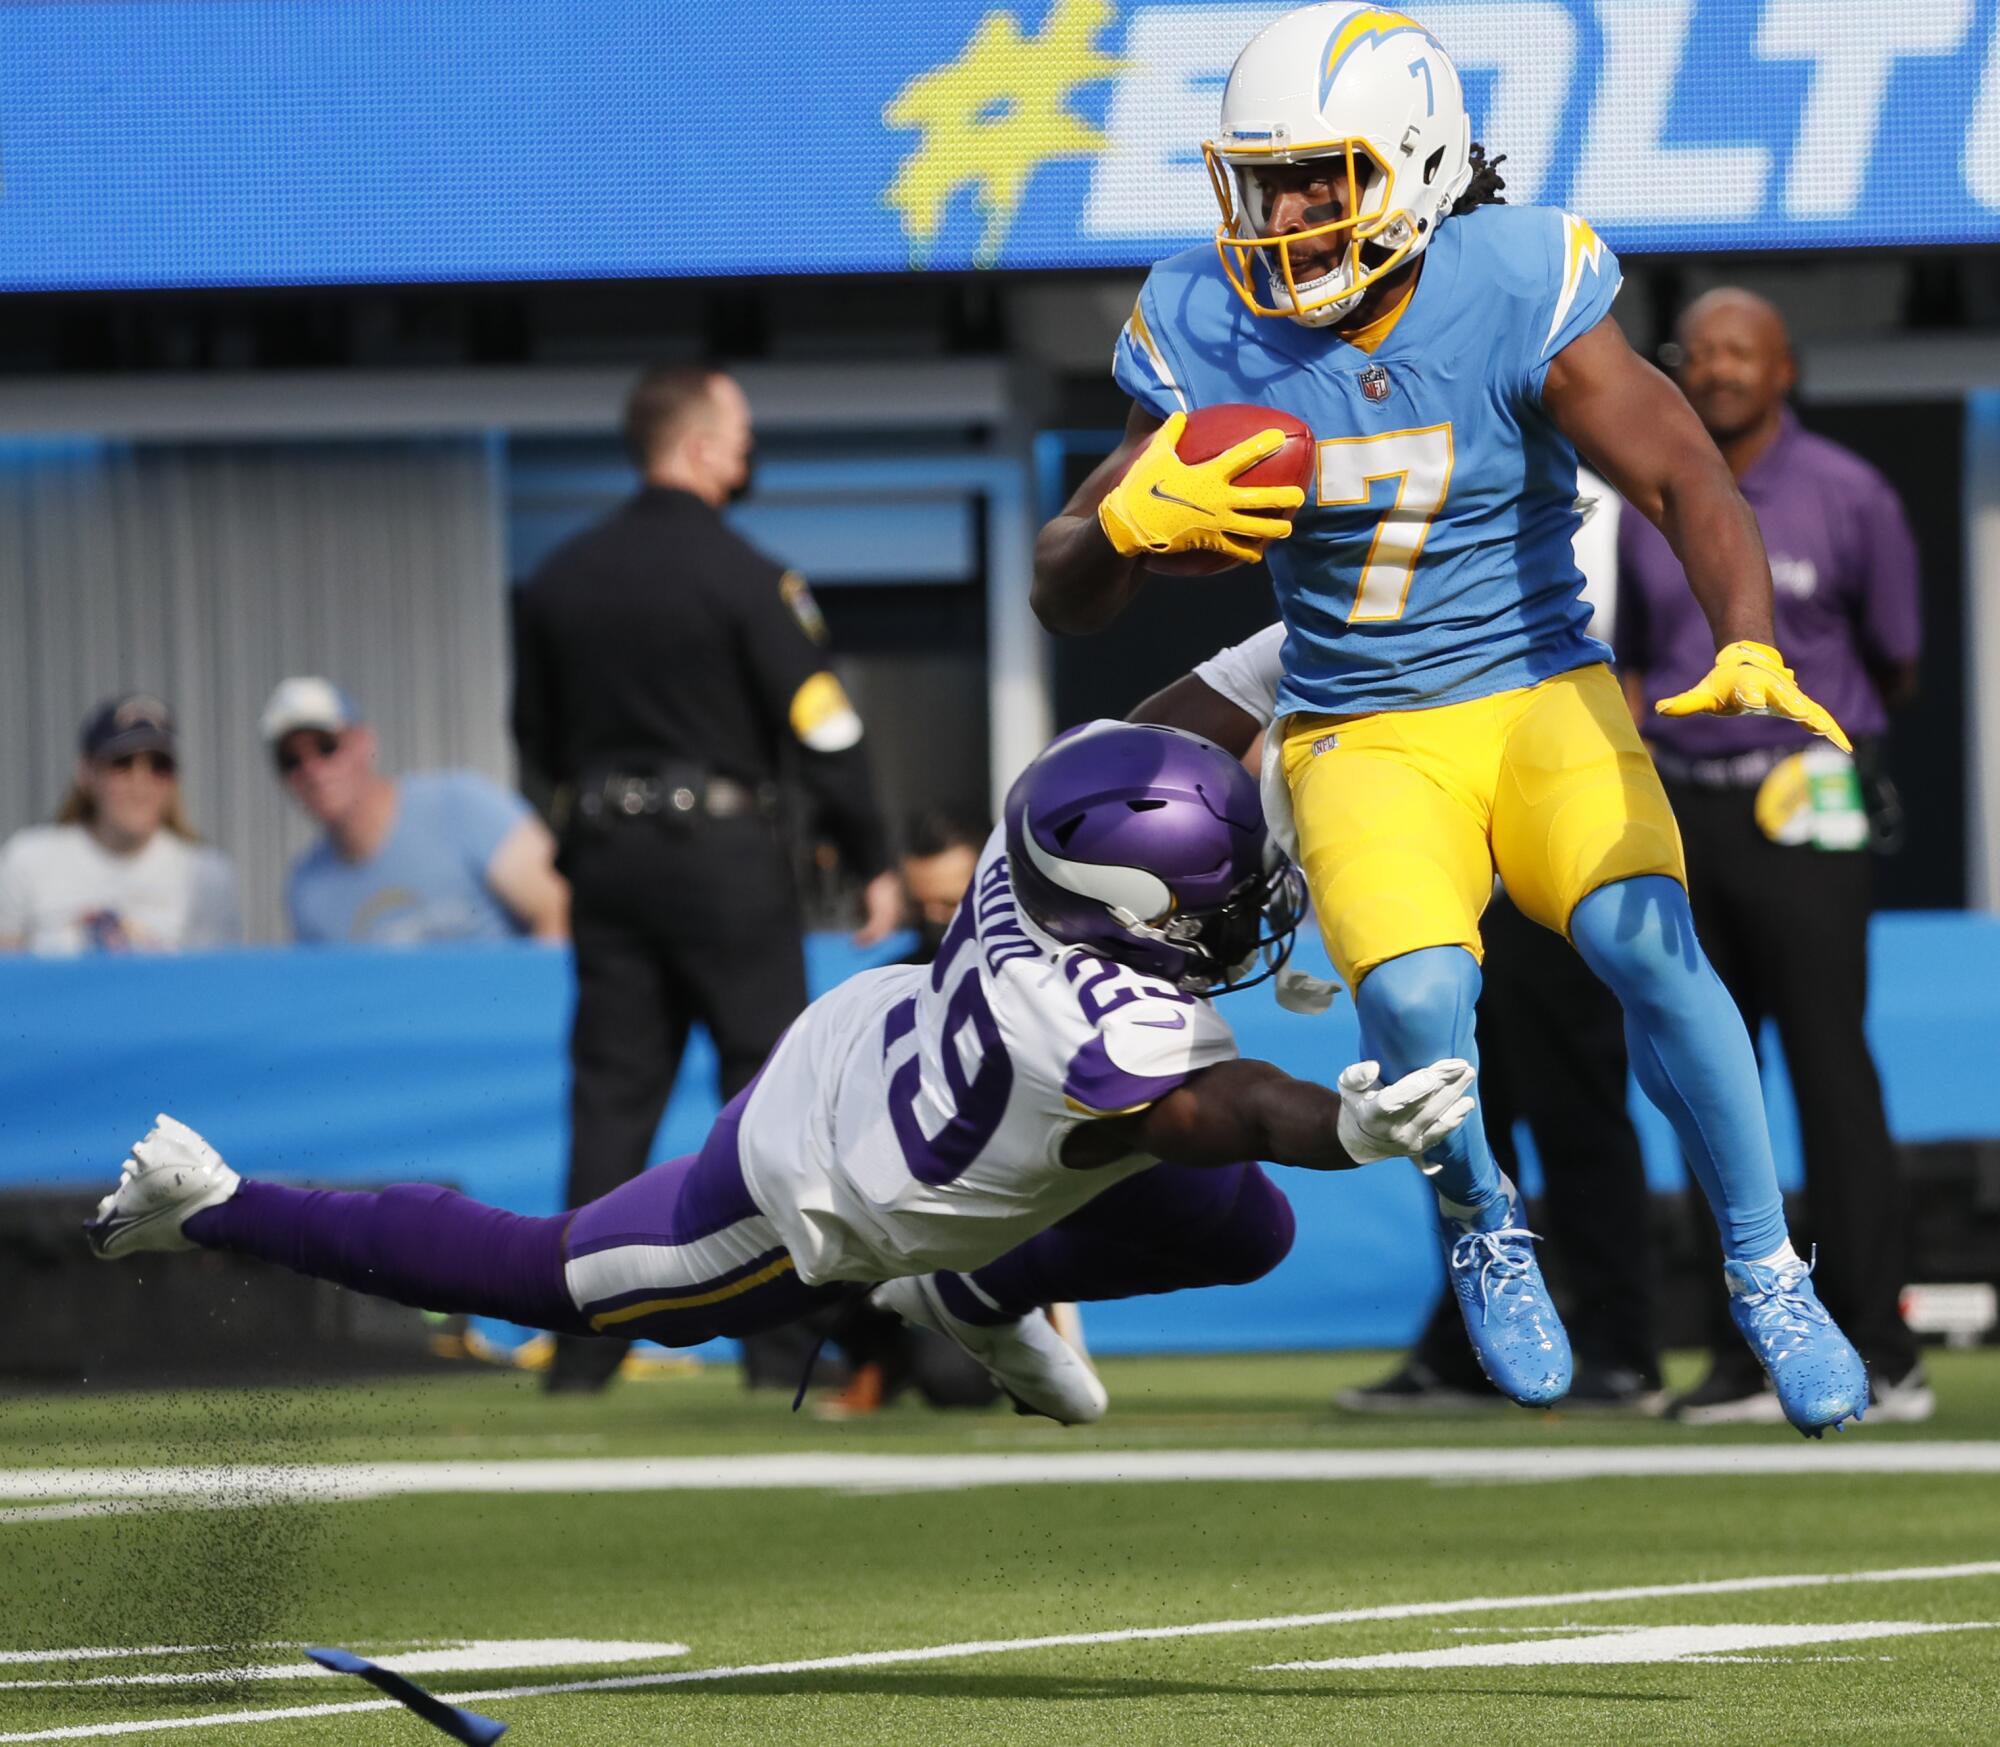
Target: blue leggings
[(1689, 1050)]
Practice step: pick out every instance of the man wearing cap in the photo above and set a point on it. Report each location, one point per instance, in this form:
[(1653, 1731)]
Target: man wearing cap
[(668, 676), (120, 869), (1778, 826), (415, 860)]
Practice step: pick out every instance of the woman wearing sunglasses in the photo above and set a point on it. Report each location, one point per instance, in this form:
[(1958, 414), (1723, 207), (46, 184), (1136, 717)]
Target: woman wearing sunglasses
[(120, 870)]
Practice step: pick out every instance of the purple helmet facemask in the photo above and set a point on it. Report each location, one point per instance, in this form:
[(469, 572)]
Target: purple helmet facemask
[(1147, 846)]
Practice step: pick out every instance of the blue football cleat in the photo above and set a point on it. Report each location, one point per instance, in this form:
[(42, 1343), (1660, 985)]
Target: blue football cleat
[(1516, 1335), (1818, 1375)]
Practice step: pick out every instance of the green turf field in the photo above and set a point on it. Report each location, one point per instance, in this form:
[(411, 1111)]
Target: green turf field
[(1490, 1579)]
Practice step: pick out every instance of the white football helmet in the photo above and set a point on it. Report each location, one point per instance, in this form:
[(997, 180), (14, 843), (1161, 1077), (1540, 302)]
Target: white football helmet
[(1376, 93)]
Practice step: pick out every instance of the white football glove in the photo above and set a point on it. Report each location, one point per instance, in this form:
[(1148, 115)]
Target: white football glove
[(1302, 992), (173, 1146), (1406, 1120)]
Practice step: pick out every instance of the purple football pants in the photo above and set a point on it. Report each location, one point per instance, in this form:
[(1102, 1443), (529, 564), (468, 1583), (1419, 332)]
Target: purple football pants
[(1162, 1230), (681, 1254), (420, 1245)]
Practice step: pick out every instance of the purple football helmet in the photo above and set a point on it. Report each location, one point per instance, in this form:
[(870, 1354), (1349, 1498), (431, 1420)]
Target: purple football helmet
[(1147, 846)]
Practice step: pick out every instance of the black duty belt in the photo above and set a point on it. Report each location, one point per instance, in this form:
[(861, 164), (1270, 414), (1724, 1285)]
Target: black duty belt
[(672, 794)]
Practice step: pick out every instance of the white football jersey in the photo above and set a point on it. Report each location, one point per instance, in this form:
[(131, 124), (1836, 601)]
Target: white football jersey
[(914, 1117)]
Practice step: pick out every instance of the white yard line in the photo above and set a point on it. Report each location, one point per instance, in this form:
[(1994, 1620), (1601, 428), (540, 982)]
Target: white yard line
[(1056, 1641), (106, 1652), (1652, 1644), (333, 1482), (99, 1731), (73, 1510), (477, 1656)]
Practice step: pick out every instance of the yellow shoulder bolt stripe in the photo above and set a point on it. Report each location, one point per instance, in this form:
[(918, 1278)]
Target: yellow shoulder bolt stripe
[(822, 718)]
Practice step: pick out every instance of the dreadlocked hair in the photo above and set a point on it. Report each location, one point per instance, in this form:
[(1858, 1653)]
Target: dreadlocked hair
[(1484, 188)]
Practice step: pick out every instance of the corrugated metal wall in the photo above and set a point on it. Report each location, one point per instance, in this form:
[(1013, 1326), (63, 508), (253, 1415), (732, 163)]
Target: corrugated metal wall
[(206, 573)]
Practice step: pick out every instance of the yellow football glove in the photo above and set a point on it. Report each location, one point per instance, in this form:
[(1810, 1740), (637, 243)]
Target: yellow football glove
[(1751, 679), (1165, 504)]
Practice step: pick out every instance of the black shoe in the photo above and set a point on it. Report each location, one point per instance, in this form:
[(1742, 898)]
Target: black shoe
[(583, 1364), (1602, 1388), (1416, 1388), (556, 1382), (779, 1358), (1731, 1394)]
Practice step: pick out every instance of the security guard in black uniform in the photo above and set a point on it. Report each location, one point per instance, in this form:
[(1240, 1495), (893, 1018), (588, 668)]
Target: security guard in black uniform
[(666, 675)]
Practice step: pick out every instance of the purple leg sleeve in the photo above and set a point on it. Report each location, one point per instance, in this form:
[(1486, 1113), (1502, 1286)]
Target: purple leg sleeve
[(1172, 1227), (420, 1245)]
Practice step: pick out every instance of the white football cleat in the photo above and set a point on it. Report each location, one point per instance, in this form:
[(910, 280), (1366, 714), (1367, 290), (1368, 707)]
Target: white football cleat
[(172, 1174), (1026, 1357)]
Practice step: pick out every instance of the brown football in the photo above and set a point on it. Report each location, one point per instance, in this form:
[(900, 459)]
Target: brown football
[(1212, 429)]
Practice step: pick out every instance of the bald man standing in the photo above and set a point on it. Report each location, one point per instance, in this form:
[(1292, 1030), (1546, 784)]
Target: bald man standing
[(1776, 826), (668, 677)]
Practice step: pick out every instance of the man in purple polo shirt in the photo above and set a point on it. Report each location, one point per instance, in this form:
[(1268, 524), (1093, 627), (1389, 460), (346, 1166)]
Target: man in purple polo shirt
[(1775, 823)]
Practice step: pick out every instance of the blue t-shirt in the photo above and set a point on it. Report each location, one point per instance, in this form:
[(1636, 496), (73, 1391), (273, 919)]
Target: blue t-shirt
[(1433, 563), (427, 883)]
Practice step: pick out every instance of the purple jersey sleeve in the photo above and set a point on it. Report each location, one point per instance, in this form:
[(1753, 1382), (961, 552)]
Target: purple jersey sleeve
[(1891, 625), (1629, 626), (1097, 1086), (1147, 1039)]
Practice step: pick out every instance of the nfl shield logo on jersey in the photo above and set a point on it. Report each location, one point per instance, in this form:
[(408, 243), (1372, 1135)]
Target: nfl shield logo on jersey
[(1374, 384)]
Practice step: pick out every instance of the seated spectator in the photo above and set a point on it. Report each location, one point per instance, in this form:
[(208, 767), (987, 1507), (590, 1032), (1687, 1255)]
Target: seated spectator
[(414, 860), (120, 870)]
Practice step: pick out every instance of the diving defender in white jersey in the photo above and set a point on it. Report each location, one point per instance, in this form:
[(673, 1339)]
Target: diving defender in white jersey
[(1052, 1110)]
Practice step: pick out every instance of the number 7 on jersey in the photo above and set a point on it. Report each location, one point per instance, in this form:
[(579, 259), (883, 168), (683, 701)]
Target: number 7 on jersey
[(1420, 463)]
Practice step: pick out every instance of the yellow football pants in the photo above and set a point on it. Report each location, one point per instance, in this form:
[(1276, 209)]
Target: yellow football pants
[(1405, 815)]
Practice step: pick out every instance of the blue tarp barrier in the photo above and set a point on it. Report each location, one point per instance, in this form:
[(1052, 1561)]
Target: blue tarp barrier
[(359, 1066)]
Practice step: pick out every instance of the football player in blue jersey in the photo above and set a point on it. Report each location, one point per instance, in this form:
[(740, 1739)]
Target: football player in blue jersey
[(1445, 713)]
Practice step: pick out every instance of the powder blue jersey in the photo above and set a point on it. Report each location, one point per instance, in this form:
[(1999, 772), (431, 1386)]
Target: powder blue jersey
[(427, 883), (1433, 562)]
